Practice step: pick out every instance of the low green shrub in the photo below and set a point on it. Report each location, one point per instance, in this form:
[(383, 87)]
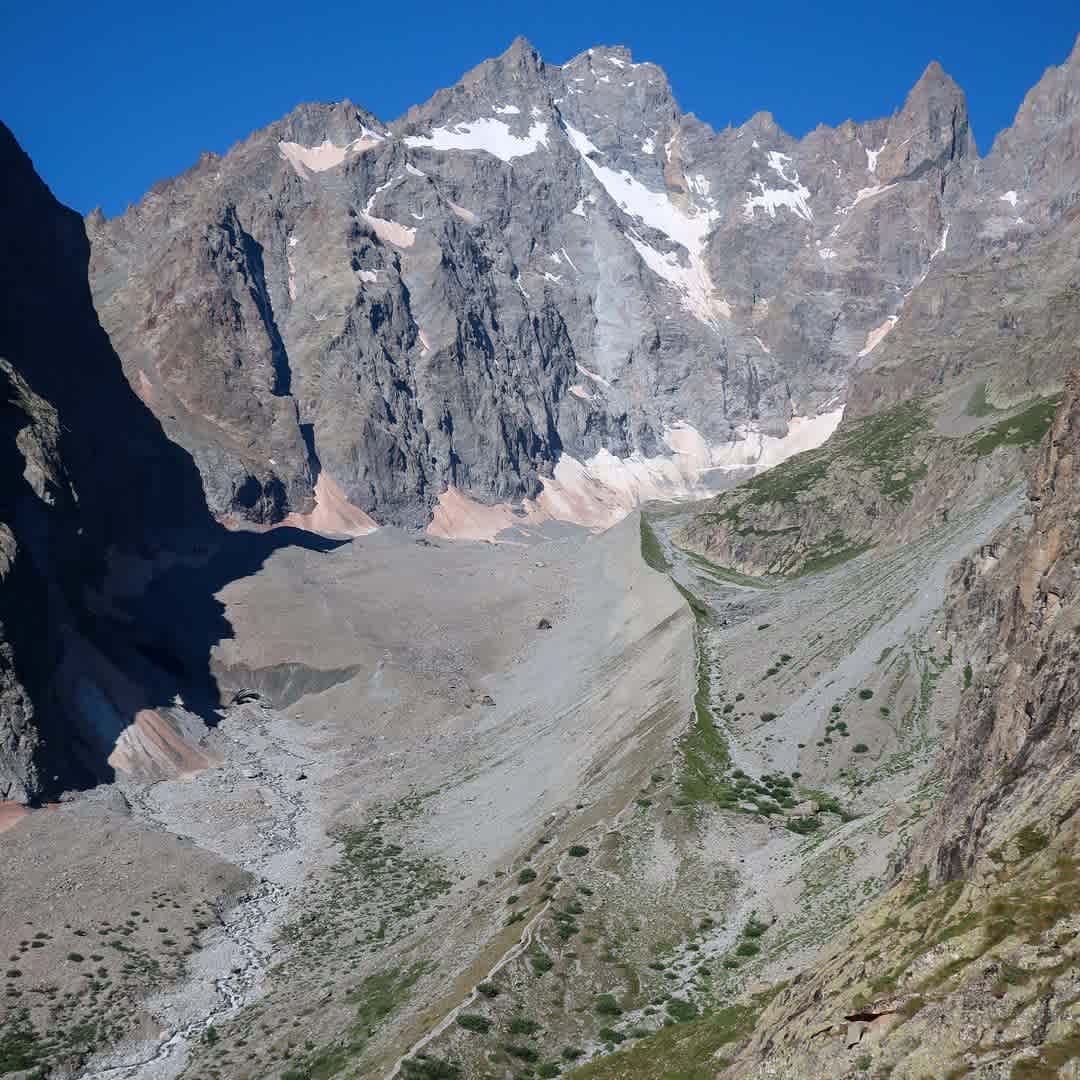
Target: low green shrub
[(522, 1025), (474, 1022), (606, 1005), (681, 1010)]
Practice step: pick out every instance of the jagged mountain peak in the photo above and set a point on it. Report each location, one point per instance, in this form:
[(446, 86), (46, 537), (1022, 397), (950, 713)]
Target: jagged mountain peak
[(933, 79), (520, 60), (1032, 174), (936, 90), (1052, 100), (338, 122), (618, 56), (580, 196)]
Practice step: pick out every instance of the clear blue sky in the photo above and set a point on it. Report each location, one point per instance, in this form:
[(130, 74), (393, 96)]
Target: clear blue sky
[(110, 97)]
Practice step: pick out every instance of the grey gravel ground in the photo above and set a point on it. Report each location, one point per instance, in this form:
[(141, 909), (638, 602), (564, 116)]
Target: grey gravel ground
[(429, 673), (391, 669)]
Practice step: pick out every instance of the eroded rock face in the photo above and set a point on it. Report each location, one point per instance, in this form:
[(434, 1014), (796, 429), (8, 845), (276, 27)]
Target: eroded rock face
[(539, 265), (967, 964), (1013, 619), (955, 388)]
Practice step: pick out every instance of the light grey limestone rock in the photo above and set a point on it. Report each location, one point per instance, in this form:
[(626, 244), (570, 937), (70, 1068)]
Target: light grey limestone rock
[(538, 261)]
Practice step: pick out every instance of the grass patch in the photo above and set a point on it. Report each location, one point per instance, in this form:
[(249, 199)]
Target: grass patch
[(681, 1011), (724, 574), (651, 549), (705, 755), (426, 1067), (19, 1044), (606, 1005), (375, 999), (834, 550), (541, 962), (697, 606), (681, 1051), (1022, 429), (522, 1025), (474, 1022), (1030, 840)]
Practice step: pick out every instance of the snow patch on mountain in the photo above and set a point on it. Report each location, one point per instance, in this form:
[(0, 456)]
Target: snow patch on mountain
[(486, 134), (878, 335), (466, 215), (863, 194), (592, 375), (691, 281), (687, 228), (390, 232), (872, 156), (796, 198), (602, 490), (326, 155)]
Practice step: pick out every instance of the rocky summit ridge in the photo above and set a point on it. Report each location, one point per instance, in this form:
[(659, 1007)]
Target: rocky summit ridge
[(546, 283)]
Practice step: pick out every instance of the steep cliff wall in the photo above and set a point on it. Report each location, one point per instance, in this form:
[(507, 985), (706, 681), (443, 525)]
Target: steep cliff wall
[(968, 965)]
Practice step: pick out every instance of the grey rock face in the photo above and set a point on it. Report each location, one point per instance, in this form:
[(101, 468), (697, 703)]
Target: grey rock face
[(539, 261), (943, 410)]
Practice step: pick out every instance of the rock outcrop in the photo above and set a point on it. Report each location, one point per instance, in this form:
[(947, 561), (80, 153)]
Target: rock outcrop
[(1013, 625)]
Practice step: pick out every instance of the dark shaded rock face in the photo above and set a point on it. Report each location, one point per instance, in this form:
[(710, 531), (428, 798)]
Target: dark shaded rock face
[(84, 468), (93, 496), (539, 261)]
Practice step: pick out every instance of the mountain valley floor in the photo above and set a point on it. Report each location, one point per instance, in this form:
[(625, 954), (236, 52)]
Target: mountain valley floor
[(497, 805)]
